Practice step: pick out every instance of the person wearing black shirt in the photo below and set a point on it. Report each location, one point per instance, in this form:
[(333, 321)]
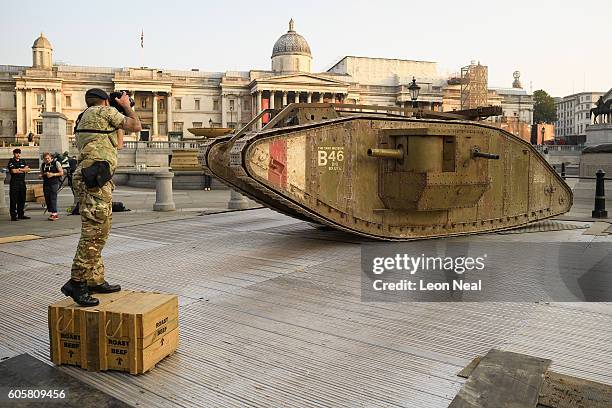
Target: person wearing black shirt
[(18, 169), (51, 172)]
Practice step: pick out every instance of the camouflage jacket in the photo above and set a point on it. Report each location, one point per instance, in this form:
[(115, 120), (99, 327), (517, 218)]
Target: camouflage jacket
[(99, 146)]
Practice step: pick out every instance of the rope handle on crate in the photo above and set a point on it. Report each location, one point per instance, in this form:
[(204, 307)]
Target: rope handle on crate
[(116, 331), (57, 325)]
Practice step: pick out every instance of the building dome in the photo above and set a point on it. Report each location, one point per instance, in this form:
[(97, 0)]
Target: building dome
[(42, 42), (291, 43), (42, 53), (291, 53)]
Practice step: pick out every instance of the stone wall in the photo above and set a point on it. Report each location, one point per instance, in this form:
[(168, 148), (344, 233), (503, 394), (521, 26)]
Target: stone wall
[(599, 134), (591, 162)]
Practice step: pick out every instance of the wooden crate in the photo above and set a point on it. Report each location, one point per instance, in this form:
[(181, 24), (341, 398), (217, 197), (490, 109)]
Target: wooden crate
[(35, 193), (38, 190), (69, 343), (135, 332)]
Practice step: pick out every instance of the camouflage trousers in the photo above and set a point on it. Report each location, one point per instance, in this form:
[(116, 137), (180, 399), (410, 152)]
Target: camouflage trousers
[(95, 206)]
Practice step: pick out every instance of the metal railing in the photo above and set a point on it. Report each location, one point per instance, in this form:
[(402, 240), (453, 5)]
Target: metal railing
[(163, 145), (559, 148)]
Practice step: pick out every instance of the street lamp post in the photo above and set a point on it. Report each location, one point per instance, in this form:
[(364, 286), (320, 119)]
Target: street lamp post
[(231, 108), (414, 93), (210, 122)]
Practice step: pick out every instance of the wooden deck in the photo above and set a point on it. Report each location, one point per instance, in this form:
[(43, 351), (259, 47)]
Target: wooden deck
[(271, 315)]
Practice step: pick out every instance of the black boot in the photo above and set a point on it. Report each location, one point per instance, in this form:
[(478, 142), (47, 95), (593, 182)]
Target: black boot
[(79, 292), (104, 288)]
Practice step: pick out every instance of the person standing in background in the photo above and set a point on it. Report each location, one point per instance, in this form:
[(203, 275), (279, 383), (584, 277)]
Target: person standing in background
[(51, 172), (18, 168)]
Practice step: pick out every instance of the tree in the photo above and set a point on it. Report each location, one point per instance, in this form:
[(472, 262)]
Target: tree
[(544, 110)]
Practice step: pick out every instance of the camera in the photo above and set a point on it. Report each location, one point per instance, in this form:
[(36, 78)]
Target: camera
[(114, 104)]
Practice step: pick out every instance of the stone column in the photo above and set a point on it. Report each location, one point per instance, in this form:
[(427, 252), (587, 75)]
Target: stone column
[(58, 100), (19, 103), (47, 102), (164, 200), (321, 97), (284, 98), (3, 208), (28, 112), (154, 131), (259, 122), (309, 97), (169, 123), (271, 104), (223, 111), (237, 201), (296, 98), (238, 110)]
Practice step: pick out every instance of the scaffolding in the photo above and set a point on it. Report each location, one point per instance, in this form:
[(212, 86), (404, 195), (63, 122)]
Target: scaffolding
[(474, 89)]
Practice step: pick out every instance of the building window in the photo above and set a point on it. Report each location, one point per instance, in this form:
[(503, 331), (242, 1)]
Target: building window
[(232, 106), (197, 104), (246, 104), (197, 124), (1, 127), (68, 101), (178, 126), (15, 100), (177, 103), (162, 105), (215, 104), (39, 127), (40, 99), (69, 127), (143, 102)]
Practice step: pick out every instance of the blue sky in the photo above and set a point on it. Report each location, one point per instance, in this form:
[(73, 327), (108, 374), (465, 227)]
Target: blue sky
[(560, 46)]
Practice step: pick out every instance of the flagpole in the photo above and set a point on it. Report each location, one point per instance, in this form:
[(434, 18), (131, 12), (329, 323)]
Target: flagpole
[(141, 48)]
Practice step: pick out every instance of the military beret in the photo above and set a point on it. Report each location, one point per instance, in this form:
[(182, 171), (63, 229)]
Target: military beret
[(96, 93)]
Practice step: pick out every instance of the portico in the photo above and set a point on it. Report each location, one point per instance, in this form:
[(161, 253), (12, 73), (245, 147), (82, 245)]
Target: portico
[(276, 92)]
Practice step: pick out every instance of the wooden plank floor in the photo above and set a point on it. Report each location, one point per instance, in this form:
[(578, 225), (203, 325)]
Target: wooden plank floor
[(271, 315)]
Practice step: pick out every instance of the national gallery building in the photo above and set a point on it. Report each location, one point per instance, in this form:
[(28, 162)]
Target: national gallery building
[(172, 100)]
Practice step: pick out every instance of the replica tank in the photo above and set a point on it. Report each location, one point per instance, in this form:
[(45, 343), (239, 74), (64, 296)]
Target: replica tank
[(390, 173)]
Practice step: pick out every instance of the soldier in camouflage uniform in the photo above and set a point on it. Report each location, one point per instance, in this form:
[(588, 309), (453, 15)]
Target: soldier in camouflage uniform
[(98, 134)]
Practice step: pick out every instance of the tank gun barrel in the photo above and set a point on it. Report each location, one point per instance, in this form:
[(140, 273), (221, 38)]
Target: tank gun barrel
[(387, 153), (490, 156)]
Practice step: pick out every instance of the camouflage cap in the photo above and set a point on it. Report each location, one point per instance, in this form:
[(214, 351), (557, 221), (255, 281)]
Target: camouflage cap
[(96, 93)]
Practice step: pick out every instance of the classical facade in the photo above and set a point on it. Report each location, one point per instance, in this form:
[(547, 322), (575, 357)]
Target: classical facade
[(174, 101)]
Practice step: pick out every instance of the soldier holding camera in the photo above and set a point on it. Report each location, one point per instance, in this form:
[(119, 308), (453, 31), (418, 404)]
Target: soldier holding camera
[(98, 134)]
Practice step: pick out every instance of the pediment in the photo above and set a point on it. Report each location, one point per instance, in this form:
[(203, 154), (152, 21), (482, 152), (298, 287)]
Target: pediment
[(301, 79)]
